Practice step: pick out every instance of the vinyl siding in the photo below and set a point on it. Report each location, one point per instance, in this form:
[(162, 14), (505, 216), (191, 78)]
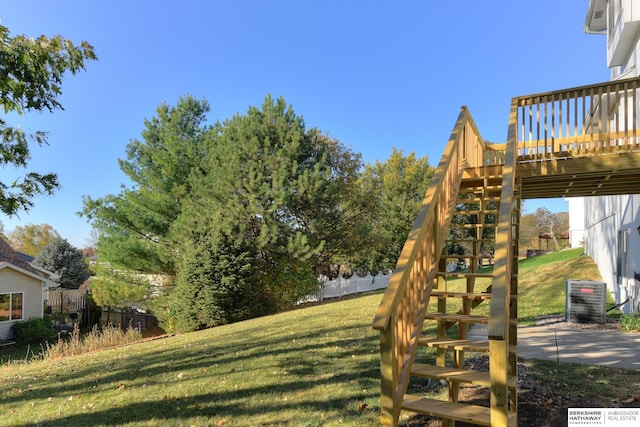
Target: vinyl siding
[(14, 281)]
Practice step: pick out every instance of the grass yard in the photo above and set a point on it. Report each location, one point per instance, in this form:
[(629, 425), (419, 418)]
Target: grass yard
[(316, 366), (541, 283)]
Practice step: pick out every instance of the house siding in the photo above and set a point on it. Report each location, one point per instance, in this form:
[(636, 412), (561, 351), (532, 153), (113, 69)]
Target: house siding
[(14, 281), (611, 222), (612, 241)]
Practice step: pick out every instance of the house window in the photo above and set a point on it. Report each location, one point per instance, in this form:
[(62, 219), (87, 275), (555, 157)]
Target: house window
[(11, 306), (622, 262)]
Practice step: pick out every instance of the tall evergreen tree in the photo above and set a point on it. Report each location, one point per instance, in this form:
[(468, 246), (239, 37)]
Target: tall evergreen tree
[(265, 193), (135, 225), (279, 182), (214, 283), (67, 261)]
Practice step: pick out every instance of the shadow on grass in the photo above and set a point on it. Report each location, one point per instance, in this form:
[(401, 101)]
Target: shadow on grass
[(331, 356)]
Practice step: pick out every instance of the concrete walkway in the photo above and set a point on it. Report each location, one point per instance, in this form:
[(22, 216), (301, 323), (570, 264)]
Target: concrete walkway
[(610, 348)]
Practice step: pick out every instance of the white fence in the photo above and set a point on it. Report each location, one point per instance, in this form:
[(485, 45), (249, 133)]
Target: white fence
[(353, 285)]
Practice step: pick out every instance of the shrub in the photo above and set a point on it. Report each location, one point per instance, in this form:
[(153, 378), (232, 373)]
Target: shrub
[(630, 322), (33, 331)]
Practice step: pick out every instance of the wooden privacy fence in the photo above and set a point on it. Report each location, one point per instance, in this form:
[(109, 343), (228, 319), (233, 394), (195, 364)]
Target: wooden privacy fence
[(60, 300)]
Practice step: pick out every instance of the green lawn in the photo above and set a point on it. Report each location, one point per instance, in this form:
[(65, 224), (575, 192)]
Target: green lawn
[(541, 283), (316, 366)]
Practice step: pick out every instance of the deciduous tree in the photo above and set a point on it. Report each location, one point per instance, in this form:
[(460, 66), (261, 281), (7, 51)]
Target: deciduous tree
[(31, 239), (117, 289), (31, 74), (395, 189)]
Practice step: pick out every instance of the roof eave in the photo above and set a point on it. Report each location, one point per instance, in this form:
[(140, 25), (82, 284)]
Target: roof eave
[(596, 19)]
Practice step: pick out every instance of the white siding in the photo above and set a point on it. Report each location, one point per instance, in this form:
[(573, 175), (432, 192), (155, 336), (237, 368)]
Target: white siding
[(606, 219), (14, 281), (611, 222), (576, 221)]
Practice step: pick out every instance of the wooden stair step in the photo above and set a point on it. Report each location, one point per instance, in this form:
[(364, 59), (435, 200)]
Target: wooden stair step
[(461, 345), (462, 274), (471, 226), (477, 199), (468, 295), (468, 256), (475, 212), (451, 410), (453, 317), (480, 378), (462, 318), (470, 240)]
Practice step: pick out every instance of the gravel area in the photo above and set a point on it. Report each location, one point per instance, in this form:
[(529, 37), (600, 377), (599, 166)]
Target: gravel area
[(559, 322)]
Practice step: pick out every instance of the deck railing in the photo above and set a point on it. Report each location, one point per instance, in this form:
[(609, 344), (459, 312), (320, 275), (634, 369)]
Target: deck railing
[(399, 318), (582, 121)]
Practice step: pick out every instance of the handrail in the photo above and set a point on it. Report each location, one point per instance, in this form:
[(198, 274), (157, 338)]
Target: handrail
[(398, 317), (498, 327), (473, 156)]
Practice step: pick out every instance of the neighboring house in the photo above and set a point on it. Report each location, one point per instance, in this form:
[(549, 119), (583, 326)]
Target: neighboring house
[(21, 287), (576, 221), (612, 223), (53, 277)]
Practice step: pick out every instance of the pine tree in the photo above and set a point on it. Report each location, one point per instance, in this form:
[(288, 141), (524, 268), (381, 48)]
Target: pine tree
[(66, 261), (214, 283)]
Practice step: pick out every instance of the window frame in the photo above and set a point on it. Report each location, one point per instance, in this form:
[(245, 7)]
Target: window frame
[(11, 309)]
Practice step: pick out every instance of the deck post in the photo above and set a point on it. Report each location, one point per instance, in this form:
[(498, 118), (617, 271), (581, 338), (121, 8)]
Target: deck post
[(388, 377)]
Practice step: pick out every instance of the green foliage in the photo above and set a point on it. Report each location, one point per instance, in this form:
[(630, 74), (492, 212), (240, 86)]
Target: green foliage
[(395, 190), (67, 261), (135, 226), (214, 284), (33, 331), (31, 72), (290, 282), (31, 239), (265, 193), (630, 322), (118, 289)]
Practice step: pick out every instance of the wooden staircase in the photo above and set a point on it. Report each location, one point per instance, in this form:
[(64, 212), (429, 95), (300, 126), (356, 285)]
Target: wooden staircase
[(462, 286), (459, 265)]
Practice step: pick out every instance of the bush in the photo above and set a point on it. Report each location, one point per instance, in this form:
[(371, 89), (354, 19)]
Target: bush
[(630, 322), (33, 331)]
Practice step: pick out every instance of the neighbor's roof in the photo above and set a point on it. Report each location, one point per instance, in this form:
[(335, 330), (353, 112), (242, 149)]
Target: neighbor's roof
[(9, 255)]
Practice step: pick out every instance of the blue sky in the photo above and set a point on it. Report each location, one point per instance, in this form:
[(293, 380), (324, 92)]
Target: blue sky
[(373, 74)]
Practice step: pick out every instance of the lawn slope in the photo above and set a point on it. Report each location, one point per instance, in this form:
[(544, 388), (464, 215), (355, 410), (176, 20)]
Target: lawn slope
[(316, 366)]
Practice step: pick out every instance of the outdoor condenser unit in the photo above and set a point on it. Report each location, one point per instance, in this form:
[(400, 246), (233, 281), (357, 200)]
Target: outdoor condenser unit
[(586, 301)]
